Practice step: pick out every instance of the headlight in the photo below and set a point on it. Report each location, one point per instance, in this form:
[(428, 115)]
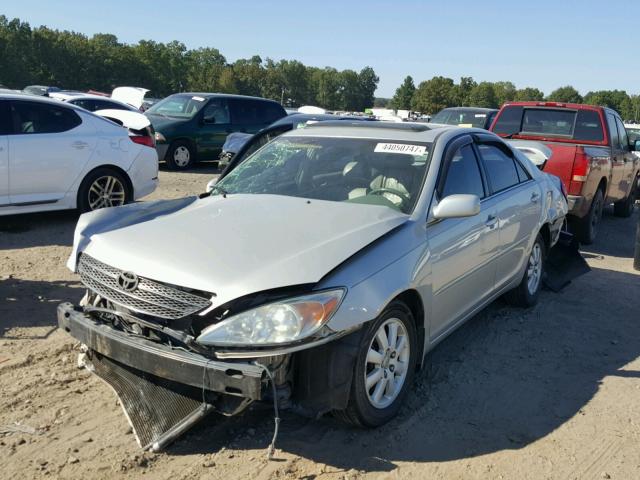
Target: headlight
[(275, 323), (160, 137)]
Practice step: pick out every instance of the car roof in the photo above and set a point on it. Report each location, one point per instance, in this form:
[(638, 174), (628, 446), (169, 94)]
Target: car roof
[(222, 95), (405, 131), (471, 109), (38, 98)]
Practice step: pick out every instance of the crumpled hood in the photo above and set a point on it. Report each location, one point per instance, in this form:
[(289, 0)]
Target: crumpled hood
[(237, 245)]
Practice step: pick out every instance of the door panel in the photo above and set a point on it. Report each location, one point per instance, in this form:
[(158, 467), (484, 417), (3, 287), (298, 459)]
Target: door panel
[(43, 166), (214, 126), (462, 249), (463, 270), (519, 212), (617, 186), (629, 160)]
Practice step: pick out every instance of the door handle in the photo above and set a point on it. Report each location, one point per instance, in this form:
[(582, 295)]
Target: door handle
[(491, 221), (79, 145), (535, 196)]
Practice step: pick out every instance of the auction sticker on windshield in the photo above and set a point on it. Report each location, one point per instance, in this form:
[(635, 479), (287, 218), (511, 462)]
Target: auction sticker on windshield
[(400, 148)]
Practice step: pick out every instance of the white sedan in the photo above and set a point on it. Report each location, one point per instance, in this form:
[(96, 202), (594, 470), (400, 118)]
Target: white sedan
[(55, 156)]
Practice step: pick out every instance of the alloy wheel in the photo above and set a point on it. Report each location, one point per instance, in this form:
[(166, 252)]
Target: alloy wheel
[(106, 191), (181, 156), (386, 363), (534, 270)]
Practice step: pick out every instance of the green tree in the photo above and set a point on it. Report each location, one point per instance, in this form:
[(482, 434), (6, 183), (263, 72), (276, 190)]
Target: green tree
[(619, 100), (529, 94), (483, 95), (404, 93), (433, 95), (566, 94), (505, 92), (368, 83), (205, 66)]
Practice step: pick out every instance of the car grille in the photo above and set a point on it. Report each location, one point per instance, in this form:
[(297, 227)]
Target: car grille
[(149, 297)]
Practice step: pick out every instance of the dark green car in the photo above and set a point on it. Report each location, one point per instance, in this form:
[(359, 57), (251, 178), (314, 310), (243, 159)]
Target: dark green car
[(193, 126)]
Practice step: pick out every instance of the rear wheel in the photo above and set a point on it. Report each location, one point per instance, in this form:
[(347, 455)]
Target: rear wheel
[(625, 207), (526, 294), (180, 156), (104, 187), (384, 368), (588, 226)]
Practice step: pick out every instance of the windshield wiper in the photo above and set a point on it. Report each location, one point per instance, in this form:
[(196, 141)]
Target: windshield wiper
[(219, 190)]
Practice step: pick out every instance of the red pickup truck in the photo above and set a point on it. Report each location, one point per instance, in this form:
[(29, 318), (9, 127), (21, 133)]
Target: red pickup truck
[(591, 155)]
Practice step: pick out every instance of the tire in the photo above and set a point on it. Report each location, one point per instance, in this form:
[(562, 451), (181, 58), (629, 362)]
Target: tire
[(588, 226), (527, 292), (180, 156), (103, 187), (625, 207), (365, 407)]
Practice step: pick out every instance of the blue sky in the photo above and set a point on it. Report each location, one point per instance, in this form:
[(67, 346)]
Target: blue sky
[(546, 44)]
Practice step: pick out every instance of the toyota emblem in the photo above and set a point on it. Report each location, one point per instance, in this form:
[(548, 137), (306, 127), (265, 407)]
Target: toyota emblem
[(128, 281)]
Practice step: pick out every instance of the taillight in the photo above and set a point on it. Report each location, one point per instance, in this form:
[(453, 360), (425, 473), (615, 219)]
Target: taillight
[(146, 140), (580, 172)]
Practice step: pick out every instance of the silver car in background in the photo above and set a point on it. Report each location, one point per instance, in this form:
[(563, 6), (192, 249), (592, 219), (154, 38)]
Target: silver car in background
[(321, 269)]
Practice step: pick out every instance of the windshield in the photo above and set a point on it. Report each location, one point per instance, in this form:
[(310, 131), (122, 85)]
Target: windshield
[(178, 106), (370, 171), (460, 118)]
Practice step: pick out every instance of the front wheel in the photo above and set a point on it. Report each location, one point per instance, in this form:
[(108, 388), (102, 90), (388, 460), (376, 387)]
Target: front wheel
[(588, 226), (526, 293), (384, 368), (625, 207)]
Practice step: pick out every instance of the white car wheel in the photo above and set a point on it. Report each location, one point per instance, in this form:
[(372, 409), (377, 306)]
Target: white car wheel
[(181, 156), (106, 191)]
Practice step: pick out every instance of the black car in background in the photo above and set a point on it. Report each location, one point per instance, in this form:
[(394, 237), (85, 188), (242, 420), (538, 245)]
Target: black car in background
[(466, 117), (240, 145)]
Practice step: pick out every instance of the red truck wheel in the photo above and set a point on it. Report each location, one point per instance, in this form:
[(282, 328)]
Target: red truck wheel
[(588, 226)]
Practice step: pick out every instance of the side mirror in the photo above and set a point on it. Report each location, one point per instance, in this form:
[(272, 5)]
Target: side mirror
[(635, 147), (457, 206), (208, 120), (211, 184)]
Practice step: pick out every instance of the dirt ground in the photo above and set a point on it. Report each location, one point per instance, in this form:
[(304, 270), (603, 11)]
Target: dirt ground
[(548, 393)]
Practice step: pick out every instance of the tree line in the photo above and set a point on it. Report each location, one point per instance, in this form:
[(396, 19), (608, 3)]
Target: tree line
[(433, 95), (72, 60), (75, 61)]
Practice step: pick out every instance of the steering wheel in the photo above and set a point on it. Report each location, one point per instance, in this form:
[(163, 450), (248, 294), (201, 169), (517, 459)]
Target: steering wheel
[(404, 197)]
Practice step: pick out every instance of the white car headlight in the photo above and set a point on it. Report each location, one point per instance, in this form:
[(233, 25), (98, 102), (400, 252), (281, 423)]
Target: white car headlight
[(160, 137), (275, 323)]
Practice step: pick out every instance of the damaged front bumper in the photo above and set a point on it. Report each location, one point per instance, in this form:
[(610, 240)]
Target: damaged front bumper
[(163, 390)]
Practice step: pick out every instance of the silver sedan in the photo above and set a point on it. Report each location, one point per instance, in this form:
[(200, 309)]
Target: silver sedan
[(324, 267)]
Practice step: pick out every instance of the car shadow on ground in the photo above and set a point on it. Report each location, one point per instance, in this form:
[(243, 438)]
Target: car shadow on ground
[(37, 229), (206, 166), (30, 306), (505, 379)]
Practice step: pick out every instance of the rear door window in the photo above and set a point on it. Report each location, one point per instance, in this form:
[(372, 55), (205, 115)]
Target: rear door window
[(622, 134), (270, 112), (36, 117), (500, 168), (613, 131), (216, 112), (5, 118)]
